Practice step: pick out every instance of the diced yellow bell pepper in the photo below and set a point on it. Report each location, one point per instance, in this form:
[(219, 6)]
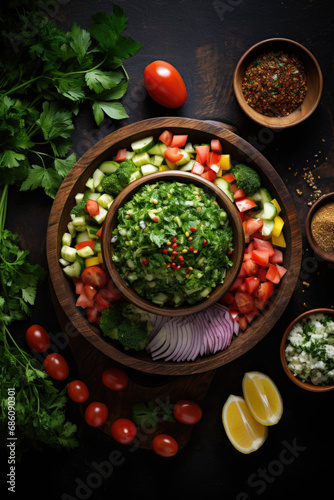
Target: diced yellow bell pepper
[(163, 167), (92, 261), (278, 226), (171, 165), (278, 208), (100, 257), (278, 241), (225, 162)]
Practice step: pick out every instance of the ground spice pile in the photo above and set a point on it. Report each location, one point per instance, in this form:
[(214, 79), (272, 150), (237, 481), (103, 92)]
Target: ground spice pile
[(322, 227), (275, 84)]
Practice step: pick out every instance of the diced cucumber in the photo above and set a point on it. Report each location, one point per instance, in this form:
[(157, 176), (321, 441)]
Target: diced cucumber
[(148, 168), (105, 200), (188, 166), (157, 160), (185, 158), (90, 183), (85, 252), (97, 177), (136, 175), (92, 195), (78, 197), (158, 149), (79, 222), (129, 155), (267, 227), (268, 212), (141, 159), (92, 229), (261, 196), (83, 236), (225, 186), (109, 167), (101, 215), (75, 269), (160, 299), (68, 253), (64, 262), (71, 229), (143, 145), (189, 148), (205, 292), (66, 239)]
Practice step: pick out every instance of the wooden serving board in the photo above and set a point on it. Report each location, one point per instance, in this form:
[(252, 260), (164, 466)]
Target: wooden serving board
[(142, 387)]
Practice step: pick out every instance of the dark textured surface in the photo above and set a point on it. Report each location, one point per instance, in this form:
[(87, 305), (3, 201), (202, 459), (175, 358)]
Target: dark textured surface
[(204, 40)]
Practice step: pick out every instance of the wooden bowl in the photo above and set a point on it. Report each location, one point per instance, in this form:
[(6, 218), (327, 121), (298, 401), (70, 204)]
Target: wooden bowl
[(238, 241), (293, 378), (323, 200), (199, 131), (313, 75)]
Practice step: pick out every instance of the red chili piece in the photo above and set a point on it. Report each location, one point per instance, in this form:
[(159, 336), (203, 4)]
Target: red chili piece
[(192, 229), (144, 261)]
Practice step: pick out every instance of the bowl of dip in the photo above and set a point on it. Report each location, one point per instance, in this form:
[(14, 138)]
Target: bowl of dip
[(307, 350), (278, 83), (319, 227), (172, 243)]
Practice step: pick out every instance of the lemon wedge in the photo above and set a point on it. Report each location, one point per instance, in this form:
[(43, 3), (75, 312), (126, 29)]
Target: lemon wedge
[(244, 432), (262, 397)]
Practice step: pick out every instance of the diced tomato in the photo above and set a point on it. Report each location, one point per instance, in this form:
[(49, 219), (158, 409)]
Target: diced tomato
[(89, 290), (95, 276), (202, 153), (273, 274), (173, 154), (86, 243), (265, 291), (166, 137), (101, 302), (261, 257), (216, 146), (197, 168), (260, 304), (251, 267), (99, 232), (242, 287), (243, 323), (239, 193), (252, 282), (212, 158), (252, 225), (229, 177), (242, 216), (250, 316), (210, 175), (110, 292), (282, 270), (79, 285), (261, 274), (277, 258), (121, 154), (257, 235), (93, 315), (249, 248), (84, 301), (92, 207), (244, 302), (179, 141), (264, 245), (243, 272), (235, 284), (234, 187), (227, 299), (244, 204), (234, 314)]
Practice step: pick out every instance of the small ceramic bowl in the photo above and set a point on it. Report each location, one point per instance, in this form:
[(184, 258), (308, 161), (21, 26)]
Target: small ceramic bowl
[(322, 201), (111, 222), (292, 377), (313, 76)]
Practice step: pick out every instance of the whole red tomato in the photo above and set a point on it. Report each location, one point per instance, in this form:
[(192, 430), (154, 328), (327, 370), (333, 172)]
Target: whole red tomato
[(78, 391), (165, 84), (56, 366), (123, 430), (96, 414), (165, 445), (187, 412), (115, 379), (37, 338)]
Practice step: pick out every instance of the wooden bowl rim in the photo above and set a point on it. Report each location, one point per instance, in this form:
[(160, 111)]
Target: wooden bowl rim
[(274, 122), (323, 200), (238, 236), (304, 385), (78, 325)]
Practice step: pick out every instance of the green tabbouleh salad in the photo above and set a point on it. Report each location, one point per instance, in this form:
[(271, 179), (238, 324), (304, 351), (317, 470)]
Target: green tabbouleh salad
[(309, 350), (172, 243)]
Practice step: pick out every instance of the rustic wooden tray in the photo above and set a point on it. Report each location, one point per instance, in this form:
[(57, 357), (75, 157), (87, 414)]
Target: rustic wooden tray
[(239, 150)]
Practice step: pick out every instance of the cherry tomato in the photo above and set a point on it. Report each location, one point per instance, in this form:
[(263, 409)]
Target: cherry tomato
[(78, 391), (96, 414), (187, 412), (165, 445), (123, 430), (94, 276), (37, 338), (56, 366), (165, 84), (115, 379)]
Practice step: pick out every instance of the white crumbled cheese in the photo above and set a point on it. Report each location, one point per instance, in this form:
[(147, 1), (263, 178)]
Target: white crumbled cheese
[(309, 350)]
